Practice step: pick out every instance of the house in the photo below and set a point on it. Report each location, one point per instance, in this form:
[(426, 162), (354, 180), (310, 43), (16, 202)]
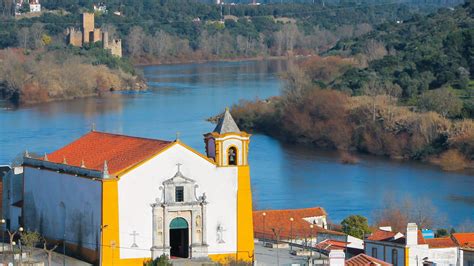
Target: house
[(365, 260), (121, 200), (410, 248), (12, 199), (465, 242), (302, 226)]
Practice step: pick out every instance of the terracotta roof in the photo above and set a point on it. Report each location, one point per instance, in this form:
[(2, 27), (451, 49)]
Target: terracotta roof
[(120, 151), (421, 239), (280, 219), (381, 235), (464, 240), (330, 244), (440, 242), (363, 259)]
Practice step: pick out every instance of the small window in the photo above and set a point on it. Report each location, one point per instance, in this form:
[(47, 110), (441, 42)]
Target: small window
[(395, 257), (179, 195), (374, 252), (232, 156)]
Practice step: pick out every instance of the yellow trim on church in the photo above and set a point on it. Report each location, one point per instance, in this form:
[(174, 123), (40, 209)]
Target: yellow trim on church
[(110, 252), (245, 240), (124, 171)]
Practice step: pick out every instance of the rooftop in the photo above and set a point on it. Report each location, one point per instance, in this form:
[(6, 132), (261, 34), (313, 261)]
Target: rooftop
[(394, 237), (94, 148), (440, 242), (280, 220), (226, 124), (464, 240), (363, 259)]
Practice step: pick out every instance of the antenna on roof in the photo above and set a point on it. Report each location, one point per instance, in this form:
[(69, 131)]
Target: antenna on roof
[(93, 127), (105, 172), (27, 155), (45, 157)]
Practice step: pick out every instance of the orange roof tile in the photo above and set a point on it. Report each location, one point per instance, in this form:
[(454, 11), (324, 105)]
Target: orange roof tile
[(464, 240), (440, 242), (381, 235), (120, 151), (365, 260), (330, 244), (280, 220)]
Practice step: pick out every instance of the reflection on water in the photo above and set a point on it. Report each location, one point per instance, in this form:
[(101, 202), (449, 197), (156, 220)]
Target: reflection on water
[(283, 176)]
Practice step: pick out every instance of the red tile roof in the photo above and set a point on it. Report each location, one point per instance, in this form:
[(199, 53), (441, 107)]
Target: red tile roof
[(330, 244), (120, 151), (280, 220), (464, 240), (440, 242), (381, 235), (365, 260)]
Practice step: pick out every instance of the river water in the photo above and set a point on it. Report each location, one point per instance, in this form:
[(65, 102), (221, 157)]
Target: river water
[(181, 97)]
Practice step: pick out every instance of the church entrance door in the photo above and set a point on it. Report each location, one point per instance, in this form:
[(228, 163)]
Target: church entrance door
[(179, 238)]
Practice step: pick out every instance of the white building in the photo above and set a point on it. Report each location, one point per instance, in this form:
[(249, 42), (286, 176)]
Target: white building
[(410, 248), (122, 200)]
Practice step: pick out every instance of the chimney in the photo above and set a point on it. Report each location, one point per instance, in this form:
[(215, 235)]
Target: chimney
[(412, 234), (337, 257)]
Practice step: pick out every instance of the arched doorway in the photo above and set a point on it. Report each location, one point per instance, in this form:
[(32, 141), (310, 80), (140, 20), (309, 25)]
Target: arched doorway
[(179, 238)]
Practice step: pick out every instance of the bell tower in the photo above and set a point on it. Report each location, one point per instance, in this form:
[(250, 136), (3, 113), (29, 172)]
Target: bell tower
[(227, 145)]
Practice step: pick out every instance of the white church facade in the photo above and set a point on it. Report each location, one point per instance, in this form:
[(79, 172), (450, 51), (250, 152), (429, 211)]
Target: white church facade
[(122, 200)]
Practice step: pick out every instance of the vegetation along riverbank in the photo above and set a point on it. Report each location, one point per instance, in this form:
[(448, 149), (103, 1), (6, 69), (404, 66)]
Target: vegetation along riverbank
[(155, 32), (409, 96)]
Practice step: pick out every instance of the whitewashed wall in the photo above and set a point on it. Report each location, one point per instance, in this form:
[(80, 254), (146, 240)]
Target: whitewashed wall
[(417, 253), (139, 188), (444, 256), (231, 141), (45, 190)]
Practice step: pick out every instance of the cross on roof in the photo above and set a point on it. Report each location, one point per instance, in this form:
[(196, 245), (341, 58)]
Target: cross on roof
[(179, 166)]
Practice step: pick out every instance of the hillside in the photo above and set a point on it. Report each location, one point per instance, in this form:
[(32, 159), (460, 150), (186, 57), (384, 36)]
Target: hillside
[(370, 96), (420, 55)]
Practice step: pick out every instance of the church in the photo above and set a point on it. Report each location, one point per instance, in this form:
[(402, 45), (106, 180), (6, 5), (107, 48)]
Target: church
[(123, 200)]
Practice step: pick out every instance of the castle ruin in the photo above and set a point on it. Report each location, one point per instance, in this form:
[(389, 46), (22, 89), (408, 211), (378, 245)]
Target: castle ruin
[(89, 34)]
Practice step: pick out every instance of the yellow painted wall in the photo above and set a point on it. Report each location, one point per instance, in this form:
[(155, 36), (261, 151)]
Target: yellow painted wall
[(110, 223), (245, 244), (407, 256), (111, 227)]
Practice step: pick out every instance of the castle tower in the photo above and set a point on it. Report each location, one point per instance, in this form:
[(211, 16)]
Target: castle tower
[(228, 147), (87, 27)]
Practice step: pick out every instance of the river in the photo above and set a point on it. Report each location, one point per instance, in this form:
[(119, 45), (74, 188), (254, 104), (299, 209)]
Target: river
[(180, 99)]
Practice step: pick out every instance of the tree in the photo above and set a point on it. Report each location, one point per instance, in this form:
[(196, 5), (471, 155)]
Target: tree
[(443, 101), (30, 239), (373, 88), (49, 252), (398, 214), (356, 226)]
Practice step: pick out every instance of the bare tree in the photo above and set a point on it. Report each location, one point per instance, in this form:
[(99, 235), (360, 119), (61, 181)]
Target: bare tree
[(49, 252), (373, 88)]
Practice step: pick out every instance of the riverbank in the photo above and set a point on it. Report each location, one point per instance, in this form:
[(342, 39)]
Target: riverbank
[(332, 120), (28, 78), (203, 61)]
